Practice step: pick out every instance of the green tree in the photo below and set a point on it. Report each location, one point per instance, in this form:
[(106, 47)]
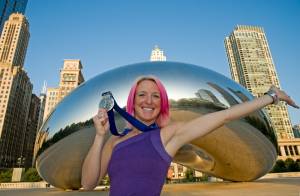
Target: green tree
[(298, 164), (204, 177), (5, 175), (290, 165), (189, 175), (279, 166), (31, 175)]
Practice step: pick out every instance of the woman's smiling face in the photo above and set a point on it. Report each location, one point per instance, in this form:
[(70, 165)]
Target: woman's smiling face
[(147, 102)]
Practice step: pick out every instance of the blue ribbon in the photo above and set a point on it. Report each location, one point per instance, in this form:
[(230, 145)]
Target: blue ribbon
[(132, 120)]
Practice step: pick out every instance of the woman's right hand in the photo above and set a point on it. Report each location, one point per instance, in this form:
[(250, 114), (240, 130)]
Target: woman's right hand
[(282, 96), (101, 122)]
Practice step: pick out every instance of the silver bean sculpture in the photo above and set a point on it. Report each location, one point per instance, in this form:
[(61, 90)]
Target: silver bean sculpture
[(242, 150)]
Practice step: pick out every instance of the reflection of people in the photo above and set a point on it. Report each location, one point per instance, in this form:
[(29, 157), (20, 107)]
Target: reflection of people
[(137, 163)]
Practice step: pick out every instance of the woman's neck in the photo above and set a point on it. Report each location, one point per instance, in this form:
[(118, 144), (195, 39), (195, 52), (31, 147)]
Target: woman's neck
[(135, 131)]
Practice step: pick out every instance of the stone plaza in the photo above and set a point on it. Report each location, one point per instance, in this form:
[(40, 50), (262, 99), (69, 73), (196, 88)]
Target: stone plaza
[(276, 186)]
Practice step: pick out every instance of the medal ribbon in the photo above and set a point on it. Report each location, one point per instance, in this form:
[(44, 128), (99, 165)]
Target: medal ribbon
[(132, 120)]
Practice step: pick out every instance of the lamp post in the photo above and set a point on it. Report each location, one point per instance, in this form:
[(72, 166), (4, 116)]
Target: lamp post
[(21, 161)]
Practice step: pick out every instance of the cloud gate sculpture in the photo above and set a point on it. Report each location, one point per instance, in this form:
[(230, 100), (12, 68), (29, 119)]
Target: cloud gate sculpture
[(241, 150)]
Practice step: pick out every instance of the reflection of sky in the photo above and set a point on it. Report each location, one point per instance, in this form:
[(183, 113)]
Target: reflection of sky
[(181, 81)]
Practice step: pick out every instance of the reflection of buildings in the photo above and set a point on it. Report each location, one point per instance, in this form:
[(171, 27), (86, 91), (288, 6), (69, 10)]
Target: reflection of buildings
[(253, 118), (41, 137), (176, 171), (7, 7), (289, 148), (157, 55), (239, 94), (252, 66), (227, 96), (70, 78), (244, 98), (207, 95), (15, 89), (43, 141)]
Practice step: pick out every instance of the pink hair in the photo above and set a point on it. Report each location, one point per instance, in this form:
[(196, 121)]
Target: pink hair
[(164, 116)]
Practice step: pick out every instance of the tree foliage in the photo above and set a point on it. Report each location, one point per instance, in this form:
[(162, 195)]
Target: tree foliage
[(289, 165), (189, 175), (31, 175), (5, 175)]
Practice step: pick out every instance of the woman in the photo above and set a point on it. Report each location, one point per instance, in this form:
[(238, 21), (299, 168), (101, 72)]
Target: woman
[(137, 163)]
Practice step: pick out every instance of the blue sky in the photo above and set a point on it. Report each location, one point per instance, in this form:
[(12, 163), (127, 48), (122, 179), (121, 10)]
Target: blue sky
[(106, 34)]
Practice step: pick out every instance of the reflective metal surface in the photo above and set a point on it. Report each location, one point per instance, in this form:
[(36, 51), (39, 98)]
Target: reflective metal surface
[(241, 150)]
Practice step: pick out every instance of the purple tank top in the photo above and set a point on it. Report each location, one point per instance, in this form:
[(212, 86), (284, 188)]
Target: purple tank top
[(139, 166)]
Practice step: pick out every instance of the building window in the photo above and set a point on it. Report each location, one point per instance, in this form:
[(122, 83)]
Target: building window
[(286, 150), (291, 150), (296, 150), (279, 151)]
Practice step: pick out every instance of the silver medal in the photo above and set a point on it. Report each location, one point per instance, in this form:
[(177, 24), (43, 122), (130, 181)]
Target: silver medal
[(107, 101)]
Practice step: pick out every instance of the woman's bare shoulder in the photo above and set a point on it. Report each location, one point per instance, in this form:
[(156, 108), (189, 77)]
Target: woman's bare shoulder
[(117, 139), (169, 131), (172, 127)]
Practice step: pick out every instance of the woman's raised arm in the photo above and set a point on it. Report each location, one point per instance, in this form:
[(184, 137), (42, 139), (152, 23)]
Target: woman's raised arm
[(203, 125), (95, 164)]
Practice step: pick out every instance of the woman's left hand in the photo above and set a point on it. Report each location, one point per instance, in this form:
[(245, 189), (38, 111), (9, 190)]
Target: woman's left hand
[(282, 96)]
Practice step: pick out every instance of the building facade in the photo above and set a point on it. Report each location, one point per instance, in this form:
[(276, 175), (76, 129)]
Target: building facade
[(157, 54), (70, 77), (15, 99), (31, 131), (14, 40), (289, 148), (15, 90), (176, 171), (7, 7), (252, 66)]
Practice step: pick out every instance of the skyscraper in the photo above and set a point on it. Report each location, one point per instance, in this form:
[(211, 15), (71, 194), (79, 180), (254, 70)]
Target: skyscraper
[(252, 66), (14, 40), (157, 54), (70, 77), (15, 99), (42, 105), (7, 7), (31, 131), (15, 90)]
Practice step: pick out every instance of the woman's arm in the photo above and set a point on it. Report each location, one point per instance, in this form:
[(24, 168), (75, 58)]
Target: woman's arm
[(93, 163), (205, 124)]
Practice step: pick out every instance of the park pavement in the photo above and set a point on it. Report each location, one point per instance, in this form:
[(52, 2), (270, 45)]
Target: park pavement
[(285, 186)]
